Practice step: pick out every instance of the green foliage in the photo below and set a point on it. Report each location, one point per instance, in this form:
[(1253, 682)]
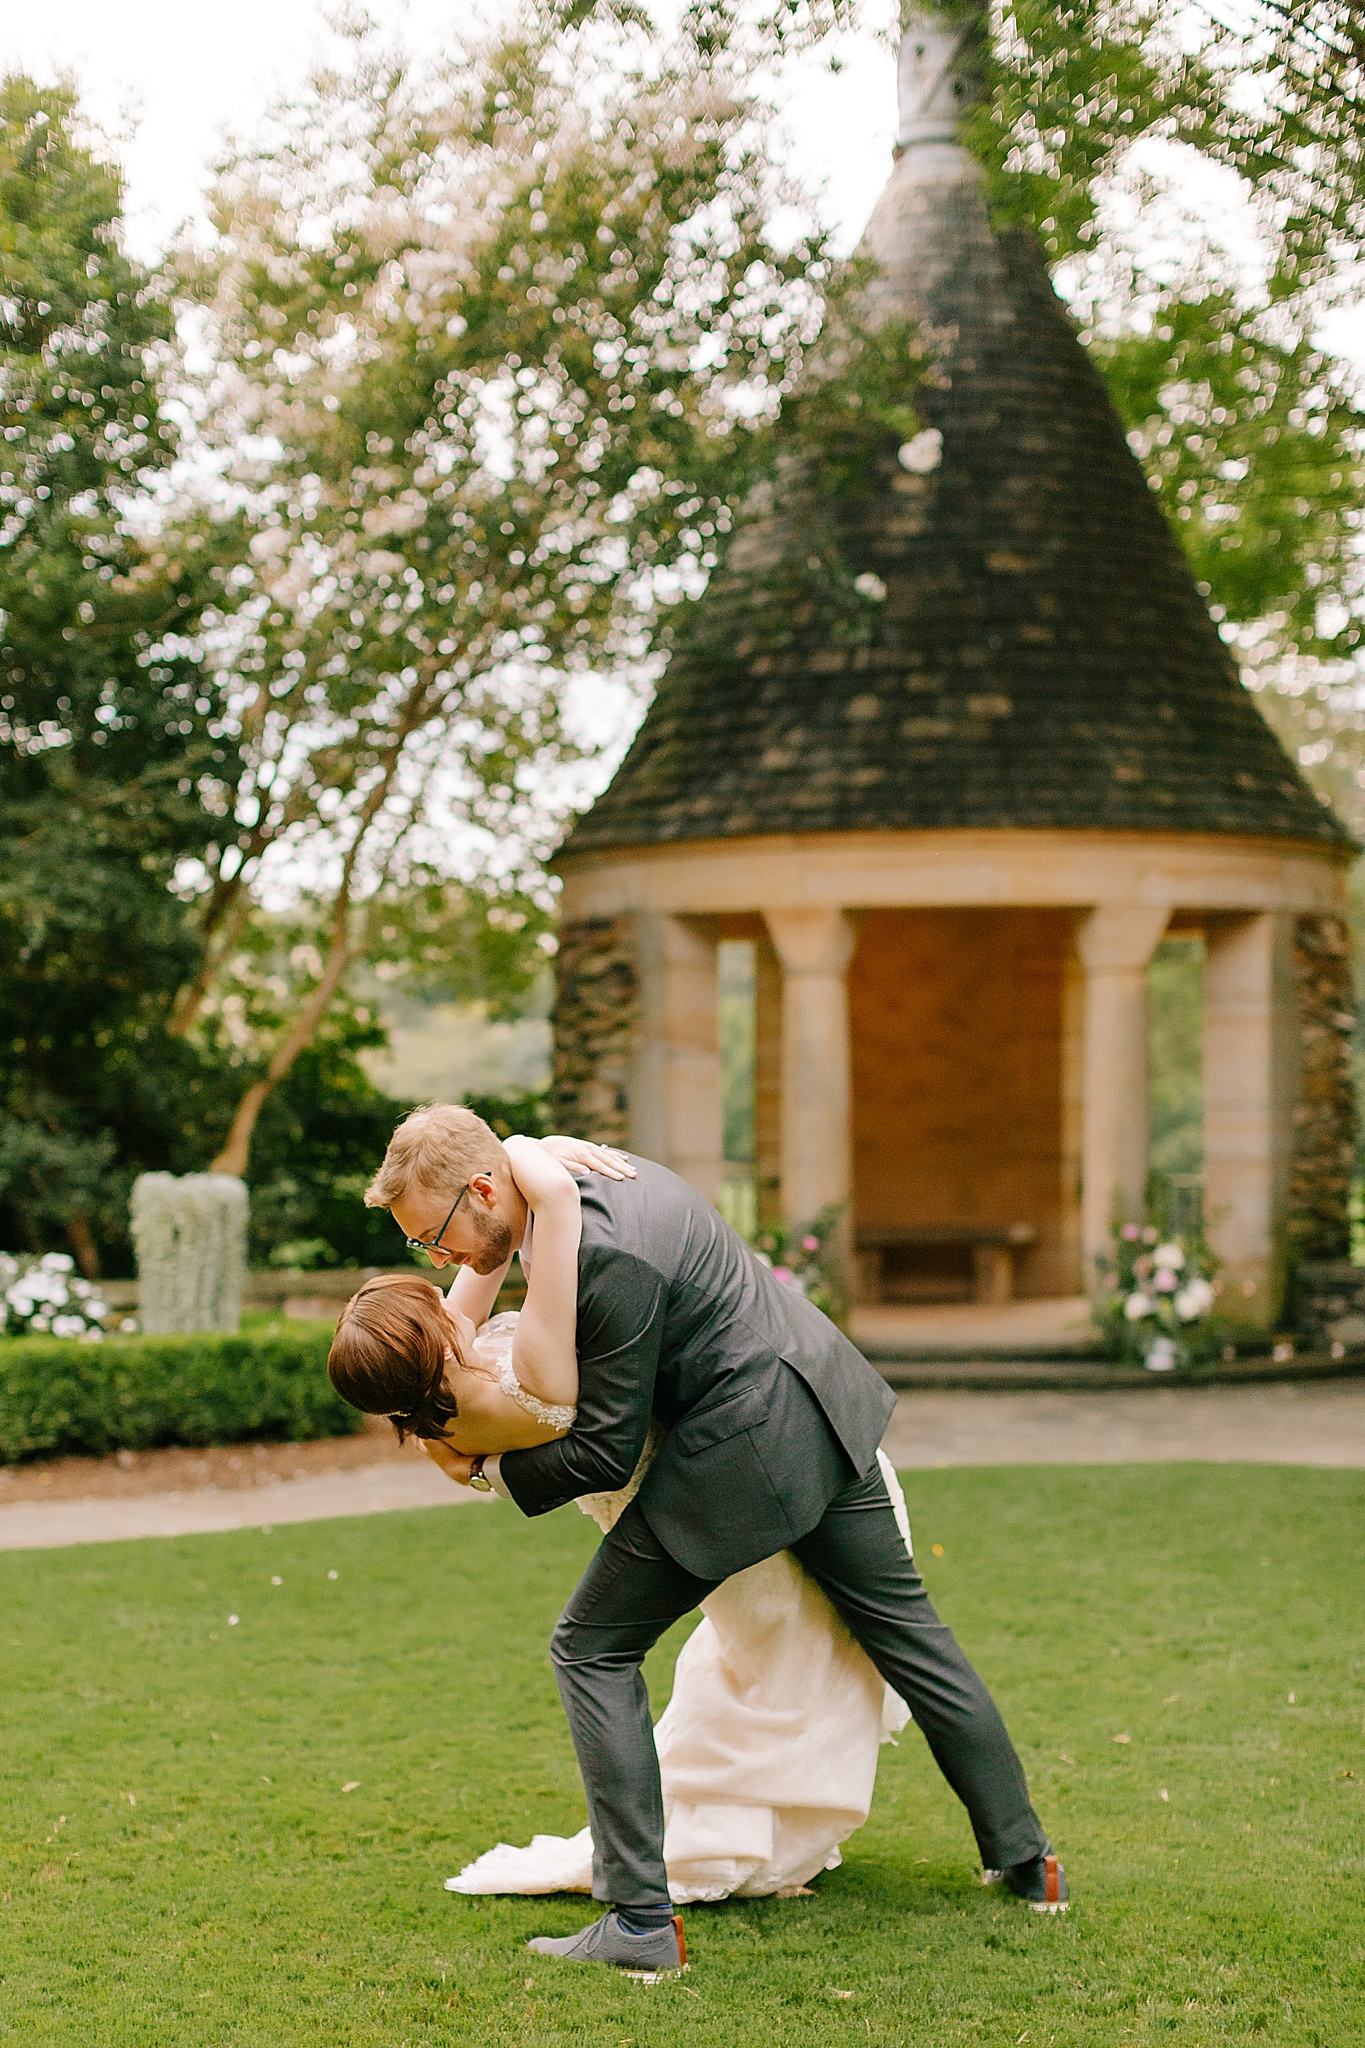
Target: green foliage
[(1175, 1055), (320, 1139), (132, 1393), (1253, 447), (246, 1898), (736, 1021), (115, 765), (439, 942), (526, 1114), (513, 358), (1249, 430)]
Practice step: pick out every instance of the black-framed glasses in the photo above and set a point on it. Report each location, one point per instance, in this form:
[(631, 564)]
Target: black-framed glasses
[(419, 1244)]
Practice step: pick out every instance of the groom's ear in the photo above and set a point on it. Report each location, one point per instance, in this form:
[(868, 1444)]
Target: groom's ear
[(485, 1190)]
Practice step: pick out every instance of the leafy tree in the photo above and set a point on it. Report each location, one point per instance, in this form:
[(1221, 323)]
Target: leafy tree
[(115, 764), (510, 324)]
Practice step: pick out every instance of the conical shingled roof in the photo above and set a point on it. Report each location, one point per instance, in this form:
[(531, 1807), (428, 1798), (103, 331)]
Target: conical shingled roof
[(1041, 658)]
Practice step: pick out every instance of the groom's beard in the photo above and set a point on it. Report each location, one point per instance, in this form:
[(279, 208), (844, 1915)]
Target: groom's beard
[(496, 1246)]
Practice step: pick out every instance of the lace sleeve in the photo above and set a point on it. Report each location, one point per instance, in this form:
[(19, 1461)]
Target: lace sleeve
[(494, 1347)]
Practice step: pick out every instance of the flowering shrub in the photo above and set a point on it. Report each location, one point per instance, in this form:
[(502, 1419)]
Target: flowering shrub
[(799, 1258), (44, 1297), (1158, 1299)]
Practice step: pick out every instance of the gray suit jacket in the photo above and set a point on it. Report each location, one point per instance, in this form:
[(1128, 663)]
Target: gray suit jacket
[(677, 1318)]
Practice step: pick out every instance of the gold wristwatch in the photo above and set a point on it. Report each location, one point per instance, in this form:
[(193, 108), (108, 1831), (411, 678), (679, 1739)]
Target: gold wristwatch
[(476, 1475)]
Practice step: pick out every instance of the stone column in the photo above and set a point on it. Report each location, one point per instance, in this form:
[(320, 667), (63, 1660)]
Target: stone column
[(1115, 944), (1251, 1073), (814, 948), (675, 1073)]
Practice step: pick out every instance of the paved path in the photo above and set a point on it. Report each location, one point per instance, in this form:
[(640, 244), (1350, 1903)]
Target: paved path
[(1289, 1425), (1308, 1424), (47, 1525)]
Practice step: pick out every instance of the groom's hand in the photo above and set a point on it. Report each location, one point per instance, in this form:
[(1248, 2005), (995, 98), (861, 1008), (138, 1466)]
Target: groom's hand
[(454, 1464)]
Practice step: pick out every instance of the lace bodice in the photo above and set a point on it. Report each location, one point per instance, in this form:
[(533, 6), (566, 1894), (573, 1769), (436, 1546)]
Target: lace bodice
[(494, 1347)]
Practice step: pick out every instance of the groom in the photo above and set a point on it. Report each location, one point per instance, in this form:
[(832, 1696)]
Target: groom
[(773, 1423)]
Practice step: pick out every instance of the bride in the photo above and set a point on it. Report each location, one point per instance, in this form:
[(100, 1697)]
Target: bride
[(768, 1747)]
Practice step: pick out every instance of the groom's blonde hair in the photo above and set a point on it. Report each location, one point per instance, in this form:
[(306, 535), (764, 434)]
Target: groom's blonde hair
[(435, 1148)]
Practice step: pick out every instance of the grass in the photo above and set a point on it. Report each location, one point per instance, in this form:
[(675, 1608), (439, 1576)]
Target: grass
[(1211, 1614)]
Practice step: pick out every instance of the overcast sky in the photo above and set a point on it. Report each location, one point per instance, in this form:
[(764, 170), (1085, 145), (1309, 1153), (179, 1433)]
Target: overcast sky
[(167, 79)]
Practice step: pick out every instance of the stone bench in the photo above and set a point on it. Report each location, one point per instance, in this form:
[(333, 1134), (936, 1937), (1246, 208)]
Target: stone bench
[(992, 1247)]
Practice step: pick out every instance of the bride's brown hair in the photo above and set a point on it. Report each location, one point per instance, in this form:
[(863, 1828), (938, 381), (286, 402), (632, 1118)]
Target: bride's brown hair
[(388, 1354)]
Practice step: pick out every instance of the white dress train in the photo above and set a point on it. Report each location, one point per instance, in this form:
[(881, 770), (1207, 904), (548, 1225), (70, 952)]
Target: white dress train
[(768, 1747)]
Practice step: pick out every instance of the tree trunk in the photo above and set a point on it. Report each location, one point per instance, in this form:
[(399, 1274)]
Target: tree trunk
[(235, 1154), (83, 1245)]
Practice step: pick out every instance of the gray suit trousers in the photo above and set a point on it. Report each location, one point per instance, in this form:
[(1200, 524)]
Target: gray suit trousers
[(633, 1591)]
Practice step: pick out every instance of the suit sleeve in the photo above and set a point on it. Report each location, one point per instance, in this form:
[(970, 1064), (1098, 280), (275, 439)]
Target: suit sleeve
[(621, 1307)]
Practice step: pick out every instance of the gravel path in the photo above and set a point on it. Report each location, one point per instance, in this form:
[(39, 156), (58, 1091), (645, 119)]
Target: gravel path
[(178, 1493)]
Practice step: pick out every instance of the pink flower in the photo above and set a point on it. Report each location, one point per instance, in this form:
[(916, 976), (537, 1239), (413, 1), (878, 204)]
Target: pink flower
[(1132, 1232), (1165, 1281), (784, 1274), (810, 1244)]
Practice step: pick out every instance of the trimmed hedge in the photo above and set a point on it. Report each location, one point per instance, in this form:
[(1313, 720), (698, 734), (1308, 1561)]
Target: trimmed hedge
[(135, 1393)]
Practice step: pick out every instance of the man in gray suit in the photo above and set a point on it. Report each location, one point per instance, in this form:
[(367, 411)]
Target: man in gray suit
[(773, 1421)]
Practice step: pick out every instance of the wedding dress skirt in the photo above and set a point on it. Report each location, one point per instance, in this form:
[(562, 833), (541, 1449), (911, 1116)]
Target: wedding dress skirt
[(767, 1749)]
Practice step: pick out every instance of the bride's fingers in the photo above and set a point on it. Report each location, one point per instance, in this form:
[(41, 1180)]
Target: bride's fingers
[(615, 1165), (582, 1156)]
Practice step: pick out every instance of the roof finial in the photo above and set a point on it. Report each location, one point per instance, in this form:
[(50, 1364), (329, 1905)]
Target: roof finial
[(939, 74)]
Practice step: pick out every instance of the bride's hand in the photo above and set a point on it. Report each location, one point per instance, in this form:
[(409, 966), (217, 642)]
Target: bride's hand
[(454, 1464), (582, 1157)]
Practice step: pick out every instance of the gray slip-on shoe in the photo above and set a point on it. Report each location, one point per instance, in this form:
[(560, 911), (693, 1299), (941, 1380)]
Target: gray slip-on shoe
[(660, 1953), (1040, 1882)]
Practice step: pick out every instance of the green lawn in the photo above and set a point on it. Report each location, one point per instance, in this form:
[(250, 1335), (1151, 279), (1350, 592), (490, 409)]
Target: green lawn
[(1211, 1614)]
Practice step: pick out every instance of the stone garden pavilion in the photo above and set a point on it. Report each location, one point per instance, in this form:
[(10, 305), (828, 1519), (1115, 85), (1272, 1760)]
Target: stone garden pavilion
[(956, 813)]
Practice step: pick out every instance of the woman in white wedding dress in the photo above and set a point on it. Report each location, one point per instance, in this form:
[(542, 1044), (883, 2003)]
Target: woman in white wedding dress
[(768, 1746)]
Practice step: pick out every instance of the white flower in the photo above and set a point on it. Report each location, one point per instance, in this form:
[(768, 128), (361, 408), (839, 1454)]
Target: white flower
[(1161, 1357), (68, 1326), (1169, 1255), (1137, 1306), (56, 1262), (40, 1285), (1195, 1299)]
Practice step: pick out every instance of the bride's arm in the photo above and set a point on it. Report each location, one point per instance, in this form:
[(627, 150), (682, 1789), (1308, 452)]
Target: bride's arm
[(474, 1294), (544, 1352)]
